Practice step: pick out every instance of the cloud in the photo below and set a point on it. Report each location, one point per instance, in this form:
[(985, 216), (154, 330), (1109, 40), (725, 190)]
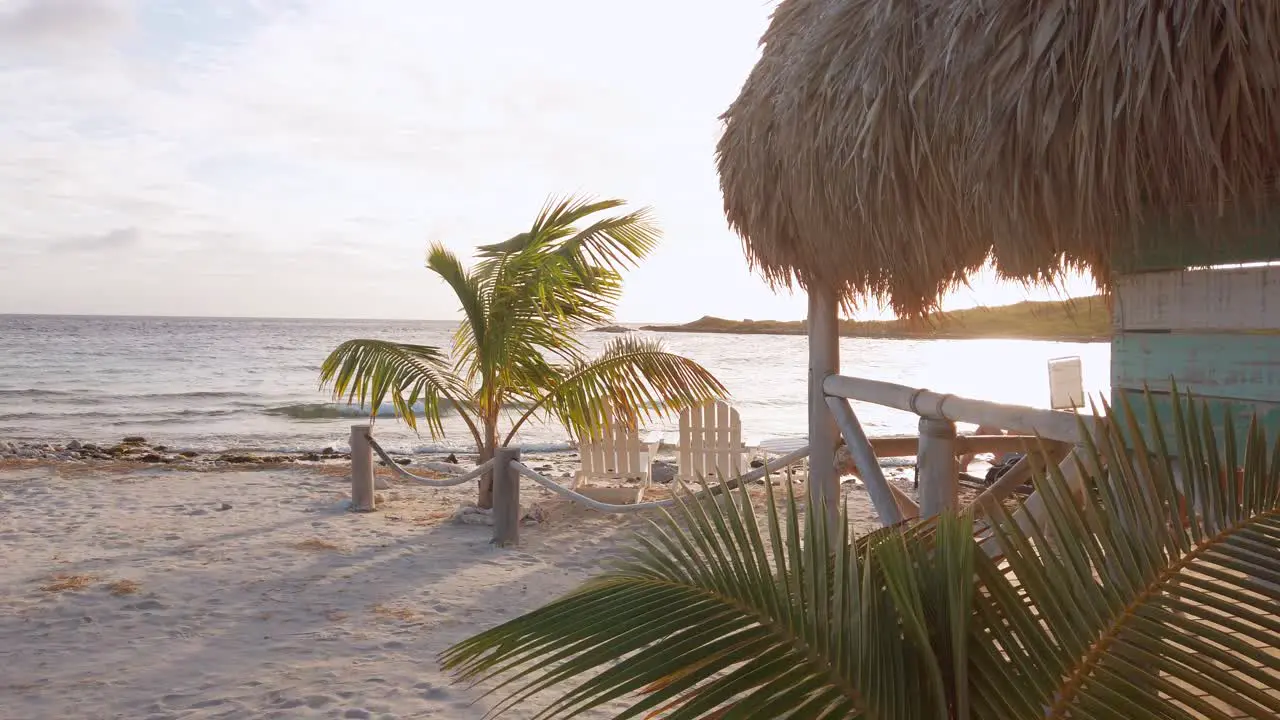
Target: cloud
[(295, 157), (121, 239), (61, 23)]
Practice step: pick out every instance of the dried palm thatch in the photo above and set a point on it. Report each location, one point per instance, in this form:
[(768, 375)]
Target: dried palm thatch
[(890, 148)]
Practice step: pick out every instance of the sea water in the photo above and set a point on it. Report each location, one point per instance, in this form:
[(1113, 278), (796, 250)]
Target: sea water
[(252, 384)]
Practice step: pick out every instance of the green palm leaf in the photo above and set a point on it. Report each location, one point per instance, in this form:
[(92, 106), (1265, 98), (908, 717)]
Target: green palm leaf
[(614, 243), (470, 293), (574, 274), (370, 371), (1149, 592), (697, 598), (638, 378), (1133, 606), (526, 303), (555, 221)]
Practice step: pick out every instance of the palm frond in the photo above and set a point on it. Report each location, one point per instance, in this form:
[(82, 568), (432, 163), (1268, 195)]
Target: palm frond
[(524, 336), (559, 214), (572, 272), (637, 378), (370, 371), (1155, 595), (614, 243), (515, 244), (1151, 593), (554, 221), (540, 289), (699, 621), (591, 261), (466, 287)]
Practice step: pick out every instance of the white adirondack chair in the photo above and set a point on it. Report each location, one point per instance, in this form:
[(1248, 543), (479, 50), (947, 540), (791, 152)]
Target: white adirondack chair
[(711, 443), (614, 453)]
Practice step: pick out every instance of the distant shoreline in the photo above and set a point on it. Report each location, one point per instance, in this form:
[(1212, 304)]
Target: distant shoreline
[(1078, 320), (886, 336)]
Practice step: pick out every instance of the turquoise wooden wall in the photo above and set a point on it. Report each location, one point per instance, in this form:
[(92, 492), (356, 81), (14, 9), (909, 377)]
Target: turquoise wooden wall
[(1219, 365), (1241, 413), (1213, 331)]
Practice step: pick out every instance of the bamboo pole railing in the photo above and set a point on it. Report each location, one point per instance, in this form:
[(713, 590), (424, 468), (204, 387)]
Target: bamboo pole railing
[(938, 445), (1051, 424), (864, 457), (909, 445)]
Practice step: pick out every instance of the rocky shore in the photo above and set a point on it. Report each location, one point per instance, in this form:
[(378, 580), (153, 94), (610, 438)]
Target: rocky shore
[(139, 450)]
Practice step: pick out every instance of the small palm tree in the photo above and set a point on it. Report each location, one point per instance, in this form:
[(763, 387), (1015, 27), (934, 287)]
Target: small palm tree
[(1120, 603), (525, 305)]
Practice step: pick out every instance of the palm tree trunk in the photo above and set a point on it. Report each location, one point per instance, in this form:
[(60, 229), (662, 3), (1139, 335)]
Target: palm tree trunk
[(487, 451)]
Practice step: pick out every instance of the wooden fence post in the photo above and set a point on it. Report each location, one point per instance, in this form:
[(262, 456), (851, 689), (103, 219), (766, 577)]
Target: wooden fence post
[(506, 497), (936, 462), (362, 489)]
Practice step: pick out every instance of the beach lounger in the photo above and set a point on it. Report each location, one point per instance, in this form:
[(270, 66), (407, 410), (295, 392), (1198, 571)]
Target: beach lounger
[(711, 443), (614, 454)]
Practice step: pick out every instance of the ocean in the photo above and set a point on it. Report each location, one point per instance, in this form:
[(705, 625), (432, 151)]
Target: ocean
[(249, 384)]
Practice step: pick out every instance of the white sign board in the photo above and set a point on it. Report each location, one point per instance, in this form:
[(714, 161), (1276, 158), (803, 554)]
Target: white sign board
[(1066, 384)]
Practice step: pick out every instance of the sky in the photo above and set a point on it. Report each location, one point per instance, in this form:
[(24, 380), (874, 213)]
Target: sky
[(295, 158)]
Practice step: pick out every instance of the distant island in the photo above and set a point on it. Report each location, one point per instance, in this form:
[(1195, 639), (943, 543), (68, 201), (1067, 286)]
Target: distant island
[(1085, 319)]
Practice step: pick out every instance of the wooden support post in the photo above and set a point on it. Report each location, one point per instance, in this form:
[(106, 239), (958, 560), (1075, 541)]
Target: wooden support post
[(908, 507), (1075, 467), (936, 460), (824, 360), (864, 457), (362, 488), (506, 497), (986, 503)]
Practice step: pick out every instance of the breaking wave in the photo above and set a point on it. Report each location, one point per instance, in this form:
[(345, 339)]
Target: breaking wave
[(332, 411)]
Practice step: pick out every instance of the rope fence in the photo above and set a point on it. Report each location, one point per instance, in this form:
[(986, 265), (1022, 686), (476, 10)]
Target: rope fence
[(507, 470), (583, 500), (429, 482), (594, 504)]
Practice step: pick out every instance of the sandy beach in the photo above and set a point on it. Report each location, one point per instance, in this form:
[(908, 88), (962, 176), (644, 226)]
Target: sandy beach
[(166, 593)]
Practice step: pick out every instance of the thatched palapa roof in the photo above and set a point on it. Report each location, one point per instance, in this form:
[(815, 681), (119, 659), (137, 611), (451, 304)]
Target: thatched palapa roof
[(889, 147)]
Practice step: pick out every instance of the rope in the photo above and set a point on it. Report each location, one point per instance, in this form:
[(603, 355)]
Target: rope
[(911, 403), (446, 468), (938, 413), (581, 499), (429, 482)]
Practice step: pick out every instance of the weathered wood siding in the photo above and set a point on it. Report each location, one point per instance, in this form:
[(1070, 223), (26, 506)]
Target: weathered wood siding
[(1241, 413), (1235, 299), (1237, 367), (1215, 332)]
